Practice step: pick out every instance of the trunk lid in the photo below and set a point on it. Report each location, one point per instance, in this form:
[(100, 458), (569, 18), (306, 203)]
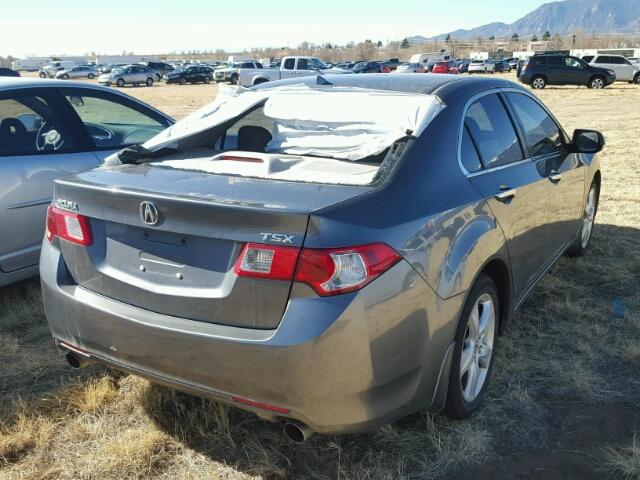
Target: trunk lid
[(183, 265)]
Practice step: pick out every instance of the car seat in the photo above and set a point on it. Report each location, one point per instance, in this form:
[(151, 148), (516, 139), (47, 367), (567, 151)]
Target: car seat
[(253, 139)]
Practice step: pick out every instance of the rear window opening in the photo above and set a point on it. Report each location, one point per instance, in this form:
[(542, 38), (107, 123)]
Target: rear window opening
[(330, 135)]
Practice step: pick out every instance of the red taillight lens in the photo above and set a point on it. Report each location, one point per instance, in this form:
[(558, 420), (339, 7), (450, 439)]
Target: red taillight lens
[(333, 271), (329, 271), (68, 226)]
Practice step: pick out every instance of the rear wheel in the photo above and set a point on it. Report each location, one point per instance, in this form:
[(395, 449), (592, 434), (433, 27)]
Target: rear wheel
[(207, 79), (65, 76), (581, 243), (538, 83), (474, 349), (597, 83), (636, 79), (149, 82), (234, 79), (120, 83), (183, 81), (91, 76)]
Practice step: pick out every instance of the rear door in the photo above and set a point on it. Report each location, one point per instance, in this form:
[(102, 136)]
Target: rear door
[(547, 142), (556, 72), (38, 144), (516, 189)]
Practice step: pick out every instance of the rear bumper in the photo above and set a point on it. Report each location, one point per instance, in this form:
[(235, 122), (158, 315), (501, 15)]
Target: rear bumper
[(340, 364)]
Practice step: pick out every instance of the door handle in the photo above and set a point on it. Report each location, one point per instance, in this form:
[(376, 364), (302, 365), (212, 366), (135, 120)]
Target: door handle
[(505, 194), (555, 176)]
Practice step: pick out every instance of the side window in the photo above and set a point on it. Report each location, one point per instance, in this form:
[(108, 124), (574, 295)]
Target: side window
[(113, 122), (469, 154), (289, 64), (29, 125), (554, 61), (572, 62), (492, 132), (542, 134), (303, 64)]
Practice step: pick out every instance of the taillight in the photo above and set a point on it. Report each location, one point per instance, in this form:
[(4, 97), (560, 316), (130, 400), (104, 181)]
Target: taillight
[(68, 226), (329, 271), (267, 261)]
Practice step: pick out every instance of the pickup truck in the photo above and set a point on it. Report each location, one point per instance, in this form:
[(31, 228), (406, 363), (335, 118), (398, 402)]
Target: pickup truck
[(289, 68), (231, 72)]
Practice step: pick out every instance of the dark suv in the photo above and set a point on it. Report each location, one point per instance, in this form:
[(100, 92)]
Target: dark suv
[(542, 70)]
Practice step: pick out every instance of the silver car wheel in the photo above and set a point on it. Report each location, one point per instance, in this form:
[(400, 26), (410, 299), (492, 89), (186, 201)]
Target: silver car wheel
[(538, 83), (477, 349), (597, 83), (588, 217)]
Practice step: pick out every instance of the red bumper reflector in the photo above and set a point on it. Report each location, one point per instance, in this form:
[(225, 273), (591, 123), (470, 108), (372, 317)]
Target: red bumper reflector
[(263, 406)]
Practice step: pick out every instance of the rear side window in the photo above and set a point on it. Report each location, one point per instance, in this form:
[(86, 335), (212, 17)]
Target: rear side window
[(289, 64), (493, 132), (554, 61), (541, 132), (468, 153)]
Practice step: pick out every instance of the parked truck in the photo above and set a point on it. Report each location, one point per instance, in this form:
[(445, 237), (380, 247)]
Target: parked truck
[(297, 66)]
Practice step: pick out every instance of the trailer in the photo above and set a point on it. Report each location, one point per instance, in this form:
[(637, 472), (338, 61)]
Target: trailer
[(32, 64)]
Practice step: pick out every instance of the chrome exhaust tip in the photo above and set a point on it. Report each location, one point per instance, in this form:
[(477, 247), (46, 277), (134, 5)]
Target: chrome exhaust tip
[(296, 431)]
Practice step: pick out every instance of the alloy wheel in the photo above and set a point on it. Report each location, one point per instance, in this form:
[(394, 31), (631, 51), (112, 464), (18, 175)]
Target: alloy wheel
[(588, 217), (538, 83), (477, 348), (597, 83)]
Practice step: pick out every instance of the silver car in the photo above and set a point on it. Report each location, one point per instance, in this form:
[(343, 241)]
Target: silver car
[(335, 254), (78, 72), (49, 129), (129, 75)]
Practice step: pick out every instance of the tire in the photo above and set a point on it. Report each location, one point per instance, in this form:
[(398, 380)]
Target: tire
[(183, 81), (207, 80), (120, 83), (149, 82), (597, 83), (636, 79), (538, 83), (478, 344), (91, 76), (65, 76), (581, 243), (234, 79), (42, 75)]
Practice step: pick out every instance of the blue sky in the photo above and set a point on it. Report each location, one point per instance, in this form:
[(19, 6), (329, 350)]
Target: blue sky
[(74, 27)]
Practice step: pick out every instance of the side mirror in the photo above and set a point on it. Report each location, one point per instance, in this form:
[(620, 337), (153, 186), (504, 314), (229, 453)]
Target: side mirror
[(587, 141)]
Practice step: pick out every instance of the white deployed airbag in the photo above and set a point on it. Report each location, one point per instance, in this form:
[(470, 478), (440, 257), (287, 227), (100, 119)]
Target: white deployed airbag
[(345, 123)]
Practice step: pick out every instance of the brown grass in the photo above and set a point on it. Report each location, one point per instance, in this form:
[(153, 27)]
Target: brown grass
[(563, 398)]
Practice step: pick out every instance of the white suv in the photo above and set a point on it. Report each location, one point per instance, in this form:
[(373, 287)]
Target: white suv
[(482, 66), (625, 70)]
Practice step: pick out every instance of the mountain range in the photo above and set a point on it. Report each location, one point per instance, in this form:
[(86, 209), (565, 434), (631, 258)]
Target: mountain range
[(564, 18)]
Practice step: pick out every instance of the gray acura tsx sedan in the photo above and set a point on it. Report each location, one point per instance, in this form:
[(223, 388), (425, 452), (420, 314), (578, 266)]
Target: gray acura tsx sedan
[(334, 251)]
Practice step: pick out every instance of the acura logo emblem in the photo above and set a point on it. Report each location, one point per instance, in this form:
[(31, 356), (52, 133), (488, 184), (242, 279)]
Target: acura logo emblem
[(149, 213)]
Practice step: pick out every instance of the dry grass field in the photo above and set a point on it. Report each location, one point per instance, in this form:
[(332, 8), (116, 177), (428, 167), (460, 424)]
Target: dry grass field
[(563, 402)]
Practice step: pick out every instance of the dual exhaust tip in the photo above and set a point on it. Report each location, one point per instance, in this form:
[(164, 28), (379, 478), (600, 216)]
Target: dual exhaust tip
[(296, 431)]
